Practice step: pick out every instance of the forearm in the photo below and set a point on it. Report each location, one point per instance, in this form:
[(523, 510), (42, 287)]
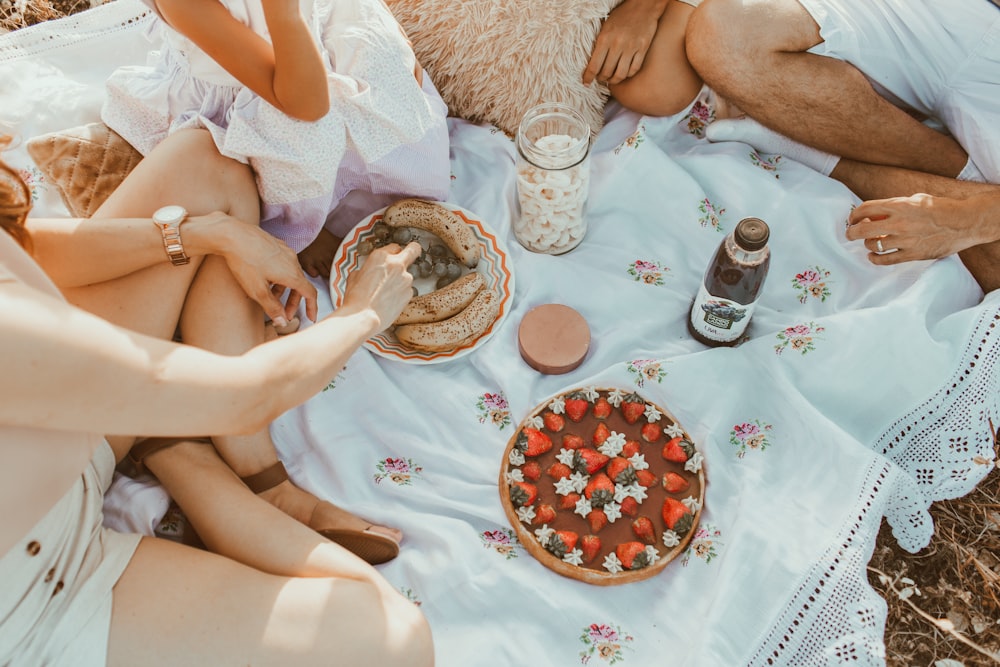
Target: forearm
[(870, 181), (87, 251), (72, 371), (300, 85)]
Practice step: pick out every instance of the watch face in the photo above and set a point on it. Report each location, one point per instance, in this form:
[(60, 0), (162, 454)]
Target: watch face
[(170, 214)]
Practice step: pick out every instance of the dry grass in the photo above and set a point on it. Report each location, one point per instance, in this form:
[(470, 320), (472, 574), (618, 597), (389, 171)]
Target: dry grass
[(944, 602)]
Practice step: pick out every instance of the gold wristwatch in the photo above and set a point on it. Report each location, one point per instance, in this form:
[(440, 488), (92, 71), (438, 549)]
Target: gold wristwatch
[(168, 220)]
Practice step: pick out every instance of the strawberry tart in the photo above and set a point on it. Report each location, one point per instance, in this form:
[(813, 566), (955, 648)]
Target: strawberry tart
[(602, 486)]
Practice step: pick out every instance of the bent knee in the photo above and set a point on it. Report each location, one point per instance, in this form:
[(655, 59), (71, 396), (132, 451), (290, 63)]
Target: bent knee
[(726, 40)]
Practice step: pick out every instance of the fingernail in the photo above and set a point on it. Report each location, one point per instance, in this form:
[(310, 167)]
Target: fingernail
[(279, 321)]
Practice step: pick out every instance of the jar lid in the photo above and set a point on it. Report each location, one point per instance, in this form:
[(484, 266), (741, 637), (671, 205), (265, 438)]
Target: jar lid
[(553, 338), (751, 234)]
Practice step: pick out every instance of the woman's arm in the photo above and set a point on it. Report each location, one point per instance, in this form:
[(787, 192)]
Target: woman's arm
[(289, 73), (69, 370), (87, 251)]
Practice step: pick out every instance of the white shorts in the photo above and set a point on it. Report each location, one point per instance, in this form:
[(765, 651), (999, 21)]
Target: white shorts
[(55, 601), (941, 59)]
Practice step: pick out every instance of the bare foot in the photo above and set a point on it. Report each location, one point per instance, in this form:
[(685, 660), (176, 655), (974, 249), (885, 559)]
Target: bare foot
[(319, 515), (317, 258)]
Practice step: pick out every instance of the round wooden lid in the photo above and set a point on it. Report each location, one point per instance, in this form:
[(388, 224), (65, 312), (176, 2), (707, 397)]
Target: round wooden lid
[(553, 338)]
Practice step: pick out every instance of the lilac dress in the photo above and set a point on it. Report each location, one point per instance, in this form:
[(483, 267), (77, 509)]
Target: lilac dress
[(385, 134)]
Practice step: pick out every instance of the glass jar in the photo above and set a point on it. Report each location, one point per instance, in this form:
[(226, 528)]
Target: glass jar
[(553, 178)]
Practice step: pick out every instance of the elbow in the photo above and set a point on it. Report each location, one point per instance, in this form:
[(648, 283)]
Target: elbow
[(308, 105), (311, 113)]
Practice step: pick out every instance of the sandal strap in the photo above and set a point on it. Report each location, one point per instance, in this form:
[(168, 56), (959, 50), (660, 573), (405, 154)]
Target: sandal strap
[(144, 447), (268, 478)]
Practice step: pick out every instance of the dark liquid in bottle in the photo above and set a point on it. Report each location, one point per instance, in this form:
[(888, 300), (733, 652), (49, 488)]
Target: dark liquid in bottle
[(734, 280)]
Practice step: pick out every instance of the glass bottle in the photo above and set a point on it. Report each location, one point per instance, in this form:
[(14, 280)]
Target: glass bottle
[(553, 178), (729, 291)]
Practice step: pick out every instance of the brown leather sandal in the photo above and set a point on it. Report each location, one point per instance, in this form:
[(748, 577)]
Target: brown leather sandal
[(370, 546)]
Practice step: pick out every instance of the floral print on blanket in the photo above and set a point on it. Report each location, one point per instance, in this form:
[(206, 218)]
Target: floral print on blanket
[(400, 471), (750, 435), (650, 273), (501, 540), (633, 141), (493, 409), (699, 117), (768, 164), (410, 595), (646, 369), (703, 544), (333, 382), (711, 215), (35, 181), (812, 282), (604, 641), (801, 337)]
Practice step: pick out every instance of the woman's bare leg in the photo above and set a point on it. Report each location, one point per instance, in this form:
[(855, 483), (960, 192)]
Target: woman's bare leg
[(175, 605), (250, 610), (211, 307)]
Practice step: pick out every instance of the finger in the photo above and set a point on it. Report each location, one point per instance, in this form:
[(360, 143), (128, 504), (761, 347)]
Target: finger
[(594, 65), (868, 229), (292, 304), (876, 209), (889, 258), (411, 252), (622, 70), (887, 245), (637, 60), (273, 308), (609, 69)]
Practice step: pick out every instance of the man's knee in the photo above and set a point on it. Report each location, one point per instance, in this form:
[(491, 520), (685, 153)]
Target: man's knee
[(716, 38), (728, 41)]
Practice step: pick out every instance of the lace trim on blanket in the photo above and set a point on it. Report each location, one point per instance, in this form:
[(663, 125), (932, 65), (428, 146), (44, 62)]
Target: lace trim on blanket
[(836, 617), (96, 23), (946, 444)]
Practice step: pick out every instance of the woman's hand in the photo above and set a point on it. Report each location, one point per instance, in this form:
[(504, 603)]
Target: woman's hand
[(921, 226), (265, 267), (624, 39), (383, 284)]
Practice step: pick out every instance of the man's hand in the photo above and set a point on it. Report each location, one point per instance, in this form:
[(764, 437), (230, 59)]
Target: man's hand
[(624, 39), (921, 226)]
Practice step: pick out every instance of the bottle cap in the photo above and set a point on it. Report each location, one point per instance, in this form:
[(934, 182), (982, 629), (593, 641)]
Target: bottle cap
[(751, 234), (553, 338)]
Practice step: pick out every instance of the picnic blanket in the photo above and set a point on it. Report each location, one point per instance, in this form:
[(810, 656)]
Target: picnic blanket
[(862, 393)]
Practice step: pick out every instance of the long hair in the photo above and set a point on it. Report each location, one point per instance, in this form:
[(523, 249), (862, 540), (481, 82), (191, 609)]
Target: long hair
[(15, 201)]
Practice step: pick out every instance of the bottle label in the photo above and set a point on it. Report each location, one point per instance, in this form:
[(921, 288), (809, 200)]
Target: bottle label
[(720, 319)]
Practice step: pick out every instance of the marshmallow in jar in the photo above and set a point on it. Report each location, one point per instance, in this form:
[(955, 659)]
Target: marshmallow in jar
[(553, 178)]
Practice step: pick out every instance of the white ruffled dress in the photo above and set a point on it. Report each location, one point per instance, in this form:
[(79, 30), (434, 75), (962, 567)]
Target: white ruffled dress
[(385, 134)]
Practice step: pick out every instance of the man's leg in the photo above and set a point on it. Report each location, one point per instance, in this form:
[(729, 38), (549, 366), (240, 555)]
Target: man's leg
[(754, 52)]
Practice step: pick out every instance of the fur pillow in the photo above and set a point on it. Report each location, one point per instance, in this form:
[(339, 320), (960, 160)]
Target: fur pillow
[(85, 164), (492, 60)]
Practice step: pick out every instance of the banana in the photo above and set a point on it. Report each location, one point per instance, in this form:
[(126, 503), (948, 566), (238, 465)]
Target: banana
[(437, 220), (455, 331), (442, 303)]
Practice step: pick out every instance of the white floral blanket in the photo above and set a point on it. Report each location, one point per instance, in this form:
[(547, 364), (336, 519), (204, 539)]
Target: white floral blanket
[(863, 393)]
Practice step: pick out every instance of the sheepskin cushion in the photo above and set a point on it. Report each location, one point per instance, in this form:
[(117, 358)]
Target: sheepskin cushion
[(85, 164), (492, 60)]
